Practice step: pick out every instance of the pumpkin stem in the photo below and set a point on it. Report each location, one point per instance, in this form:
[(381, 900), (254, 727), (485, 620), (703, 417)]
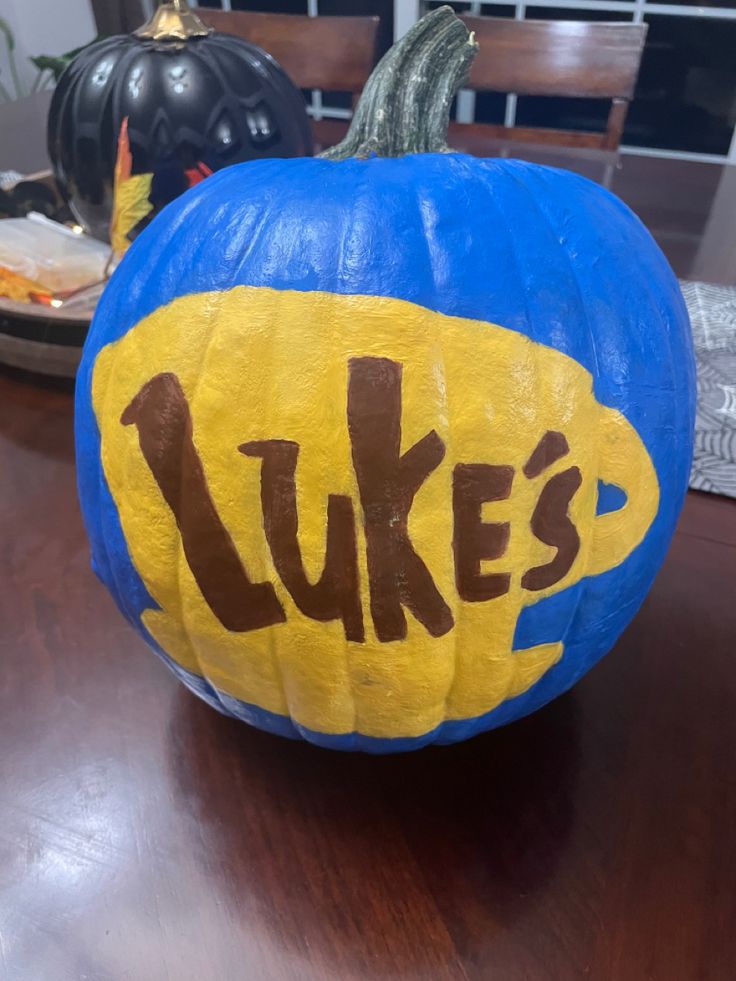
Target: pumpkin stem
[(405, 106), (173, 20)]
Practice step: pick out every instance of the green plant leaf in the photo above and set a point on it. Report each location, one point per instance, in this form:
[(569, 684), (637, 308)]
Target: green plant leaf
[(9, 38), (10, 44), (57, 63)]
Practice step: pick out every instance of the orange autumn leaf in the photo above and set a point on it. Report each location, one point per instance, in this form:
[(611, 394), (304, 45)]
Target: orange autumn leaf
[(13, 286), (130, 195), (197, 174)]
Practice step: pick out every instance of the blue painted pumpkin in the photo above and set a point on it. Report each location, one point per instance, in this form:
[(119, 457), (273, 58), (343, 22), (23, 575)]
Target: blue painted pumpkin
[(383, 452)]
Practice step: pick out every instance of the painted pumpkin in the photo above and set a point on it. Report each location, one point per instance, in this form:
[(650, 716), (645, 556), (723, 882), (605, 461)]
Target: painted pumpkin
[(194, 101), (386, 450)]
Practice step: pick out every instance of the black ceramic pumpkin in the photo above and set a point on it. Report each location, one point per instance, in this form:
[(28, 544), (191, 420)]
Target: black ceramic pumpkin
[(191, 96)]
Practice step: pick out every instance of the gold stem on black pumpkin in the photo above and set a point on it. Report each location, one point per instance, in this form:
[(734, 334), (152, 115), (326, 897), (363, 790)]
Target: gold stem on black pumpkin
[(405, 106), (174, 20)]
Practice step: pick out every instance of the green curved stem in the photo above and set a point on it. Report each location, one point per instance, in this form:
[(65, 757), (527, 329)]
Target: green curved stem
[(405, 106)]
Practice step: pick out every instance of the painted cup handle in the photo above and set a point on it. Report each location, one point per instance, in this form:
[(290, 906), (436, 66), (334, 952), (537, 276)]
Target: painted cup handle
[(624, 462)]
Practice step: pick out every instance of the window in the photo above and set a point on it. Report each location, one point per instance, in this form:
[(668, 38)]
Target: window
[(685, 100)]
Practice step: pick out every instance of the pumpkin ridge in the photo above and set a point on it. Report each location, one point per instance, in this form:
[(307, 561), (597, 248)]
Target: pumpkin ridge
[(657, 305), (112, 565), (456, 605), (546, 220), (180, 558), (178, 542), (274, 637), (519, 267), (113, 95), (213, 314)]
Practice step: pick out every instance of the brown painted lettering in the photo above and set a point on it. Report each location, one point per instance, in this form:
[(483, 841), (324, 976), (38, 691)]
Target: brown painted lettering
[(388, 483), (474, 540), (551, 524), (161, 414), (337, 594), (551, 448)]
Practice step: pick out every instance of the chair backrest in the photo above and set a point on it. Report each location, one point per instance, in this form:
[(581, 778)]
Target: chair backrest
[(556, 57), (336, 54), (560, 58)]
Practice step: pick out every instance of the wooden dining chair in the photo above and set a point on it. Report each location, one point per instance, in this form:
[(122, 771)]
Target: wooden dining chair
[(553, 58), (334, 54)]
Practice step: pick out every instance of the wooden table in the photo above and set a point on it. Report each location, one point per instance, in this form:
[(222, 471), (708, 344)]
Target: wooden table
[(145, 837)]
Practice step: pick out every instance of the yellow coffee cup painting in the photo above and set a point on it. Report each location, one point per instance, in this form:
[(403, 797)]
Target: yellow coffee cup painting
[(385, 448), (348, 538)]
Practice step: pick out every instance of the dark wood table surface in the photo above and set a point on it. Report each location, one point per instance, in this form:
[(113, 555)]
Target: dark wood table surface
[(145, 837)]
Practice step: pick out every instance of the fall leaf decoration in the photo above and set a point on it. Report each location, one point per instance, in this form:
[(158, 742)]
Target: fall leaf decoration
[(139, 197), (13, 286), (131, 195)]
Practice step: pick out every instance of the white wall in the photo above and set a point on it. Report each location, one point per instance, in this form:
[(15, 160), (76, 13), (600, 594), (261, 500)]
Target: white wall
[(43, 27)]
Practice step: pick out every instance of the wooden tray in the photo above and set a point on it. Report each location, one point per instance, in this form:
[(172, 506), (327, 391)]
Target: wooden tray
[(41, 339)]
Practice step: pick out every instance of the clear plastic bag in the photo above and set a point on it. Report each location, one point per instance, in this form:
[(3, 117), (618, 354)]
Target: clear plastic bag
[(51, 254)]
